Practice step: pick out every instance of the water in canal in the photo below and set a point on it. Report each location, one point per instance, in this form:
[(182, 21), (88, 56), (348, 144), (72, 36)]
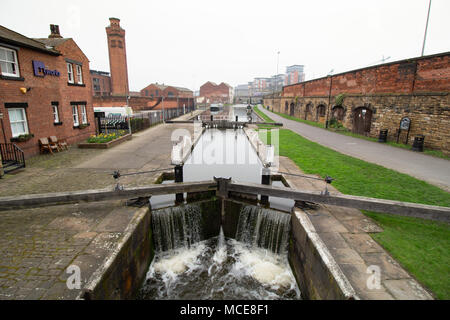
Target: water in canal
[(252, 266)]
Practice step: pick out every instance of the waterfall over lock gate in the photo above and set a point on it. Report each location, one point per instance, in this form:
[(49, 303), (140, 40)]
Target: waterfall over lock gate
[(264, 228), (176, 227)]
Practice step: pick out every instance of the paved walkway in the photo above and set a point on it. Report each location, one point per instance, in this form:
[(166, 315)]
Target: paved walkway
[(38, 245), (345, 232), (424, 167)]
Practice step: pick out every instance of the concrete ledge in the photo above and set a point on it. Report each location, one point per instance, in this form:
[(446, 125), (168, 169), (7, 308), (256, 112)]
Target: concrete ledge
[(317, 273), (121, 274), (106, 145)]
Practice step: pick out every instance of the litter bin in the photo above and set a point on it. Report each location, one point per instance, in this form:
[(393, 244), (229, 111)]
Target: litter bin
[(383, 135), (418, 143)]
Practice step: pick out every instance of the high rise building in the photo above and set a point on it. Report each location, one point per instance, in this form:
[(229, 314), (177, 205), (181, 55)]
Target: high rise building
[(294, 74)]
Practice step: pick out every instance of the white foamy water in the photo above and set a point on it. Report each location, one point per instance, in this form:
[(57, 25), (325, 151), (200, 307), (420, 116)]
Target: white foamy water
[(220, 268)]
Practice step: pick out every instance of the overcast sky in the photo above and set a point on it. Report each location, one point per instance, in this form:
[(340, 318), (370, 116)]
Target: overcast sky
[(186, 43)]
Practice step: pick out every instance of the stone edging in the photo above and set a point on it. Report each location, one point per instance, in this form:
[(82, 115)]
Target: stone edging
[(112, 143)]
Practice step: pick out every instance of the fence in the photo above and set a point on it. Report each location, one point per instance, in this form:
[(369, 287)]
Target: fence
[(138, 121)]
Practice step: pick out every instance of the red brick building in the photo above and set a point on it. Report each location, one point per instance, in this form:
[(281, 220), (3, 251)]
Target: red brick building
[(156, 90), (111, 90), (45, 90), (216, 93), (101, 83)]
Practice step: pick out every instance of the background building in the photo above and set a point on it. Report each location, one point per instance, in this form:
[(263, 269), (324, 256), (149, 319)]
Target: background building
[(45, 90), (216, 93), (111, 89), (156, 90), (294, 74), (101, 83)]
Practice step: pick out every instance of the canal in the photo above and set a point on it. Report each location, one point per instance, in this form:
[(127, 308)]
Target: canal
[(251, 265)]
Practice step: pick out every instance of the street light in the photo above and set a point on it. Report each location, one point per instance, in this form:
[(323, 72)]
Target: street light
[(426, 29), (330, 74)]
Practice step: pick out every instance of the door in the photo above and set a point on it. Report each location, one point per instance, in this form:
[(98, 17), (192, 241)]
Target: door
[(362, 120)]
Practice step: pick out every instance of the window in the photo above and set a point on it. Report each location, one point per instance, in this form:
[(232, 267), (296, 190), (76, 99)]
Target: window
[(18, 120), (55, 113), (70, 73), (76, 122), (83, 114), (96, 82), (8, 62), (157, 93), (79, 74)]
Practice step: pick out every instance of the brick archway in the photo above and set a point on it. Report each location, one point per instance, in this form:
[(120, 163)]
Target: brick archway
[(338, 113)]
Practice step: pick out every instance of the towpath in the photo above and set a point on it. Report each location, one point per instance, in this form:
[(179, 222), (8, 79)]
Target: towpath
[(433, 170), (38, 245)]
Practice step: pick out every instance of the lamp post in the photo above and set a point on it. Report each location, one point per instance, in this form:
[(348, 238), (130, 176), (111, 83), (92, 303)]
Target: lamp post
[(128, 114), (162, 105), (330, 74), (426, 29)]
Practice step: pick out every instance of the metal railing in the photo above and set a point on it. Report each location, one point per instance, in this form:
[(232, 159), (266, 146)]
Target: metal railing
[(13, 157)]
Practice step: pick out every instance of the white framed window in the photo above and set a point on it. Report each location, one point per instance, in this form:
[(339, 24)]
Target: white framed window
[(83, 114), (55, 113), (79, 74), (18, 120), (8, 62), (76, 121), (70, 73)]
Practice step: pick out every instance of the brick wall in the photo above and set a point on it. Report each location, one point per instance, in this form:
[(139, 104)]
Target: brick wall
[(44, 91), (117, 57), (415, 88)]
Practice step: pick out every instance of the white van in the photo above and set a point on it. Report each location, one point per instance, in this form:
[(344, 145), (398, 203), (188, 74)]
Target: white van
[(113, 111)]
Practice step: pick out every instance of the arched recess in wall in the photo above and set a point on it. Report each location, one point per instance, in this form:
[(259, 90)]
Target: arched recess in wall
[(286, 107), (362, 120), (338, 113), (320, 111), (308, 109), (292, 109)]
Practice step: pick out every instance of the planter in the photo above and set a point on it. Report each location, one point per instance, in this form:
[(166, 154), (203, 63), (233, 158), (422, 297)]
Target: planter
[(22, 138), (105, 145)]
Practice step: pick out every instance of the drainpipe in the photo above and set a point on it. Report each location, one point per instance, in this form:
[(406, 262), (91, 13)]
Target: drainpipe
[(329, 102)]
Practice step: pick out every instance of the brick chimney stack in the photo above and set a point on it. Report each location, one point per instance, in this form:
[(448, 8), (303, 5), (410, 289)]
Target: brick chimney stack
[(117, 57), (54, 31)]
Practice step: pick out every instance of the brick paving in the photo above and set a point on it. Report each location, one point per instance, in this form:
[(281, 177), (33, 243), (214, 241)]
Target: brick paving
[(345, 232), (38, 245)]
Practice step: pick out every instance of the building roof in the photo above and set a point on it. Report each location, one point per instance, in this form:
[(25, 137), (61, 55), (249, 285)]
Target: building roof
[(51, 42), (102, 73), (15, 38)]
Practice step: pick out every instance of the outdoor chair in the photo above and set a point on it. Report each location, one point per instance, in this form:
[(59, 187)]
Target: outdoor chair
[(61, 143), (44, 145)]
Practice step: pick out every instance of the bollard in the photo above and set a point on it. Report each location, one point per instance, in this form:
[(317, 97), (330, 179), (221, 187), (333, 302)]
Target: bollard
[(265, 179), (237, 117), (179, 197), (212, 118)]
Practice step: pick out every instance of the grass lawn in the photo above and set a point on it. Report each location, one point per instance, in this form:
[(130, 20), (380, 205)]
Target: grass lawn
[(434, 153), (262, 114), (421, 246)]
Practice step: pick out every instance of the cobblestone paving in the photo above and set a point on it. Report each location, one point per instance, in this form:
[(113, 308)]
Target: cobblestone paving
[(37, 245)]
